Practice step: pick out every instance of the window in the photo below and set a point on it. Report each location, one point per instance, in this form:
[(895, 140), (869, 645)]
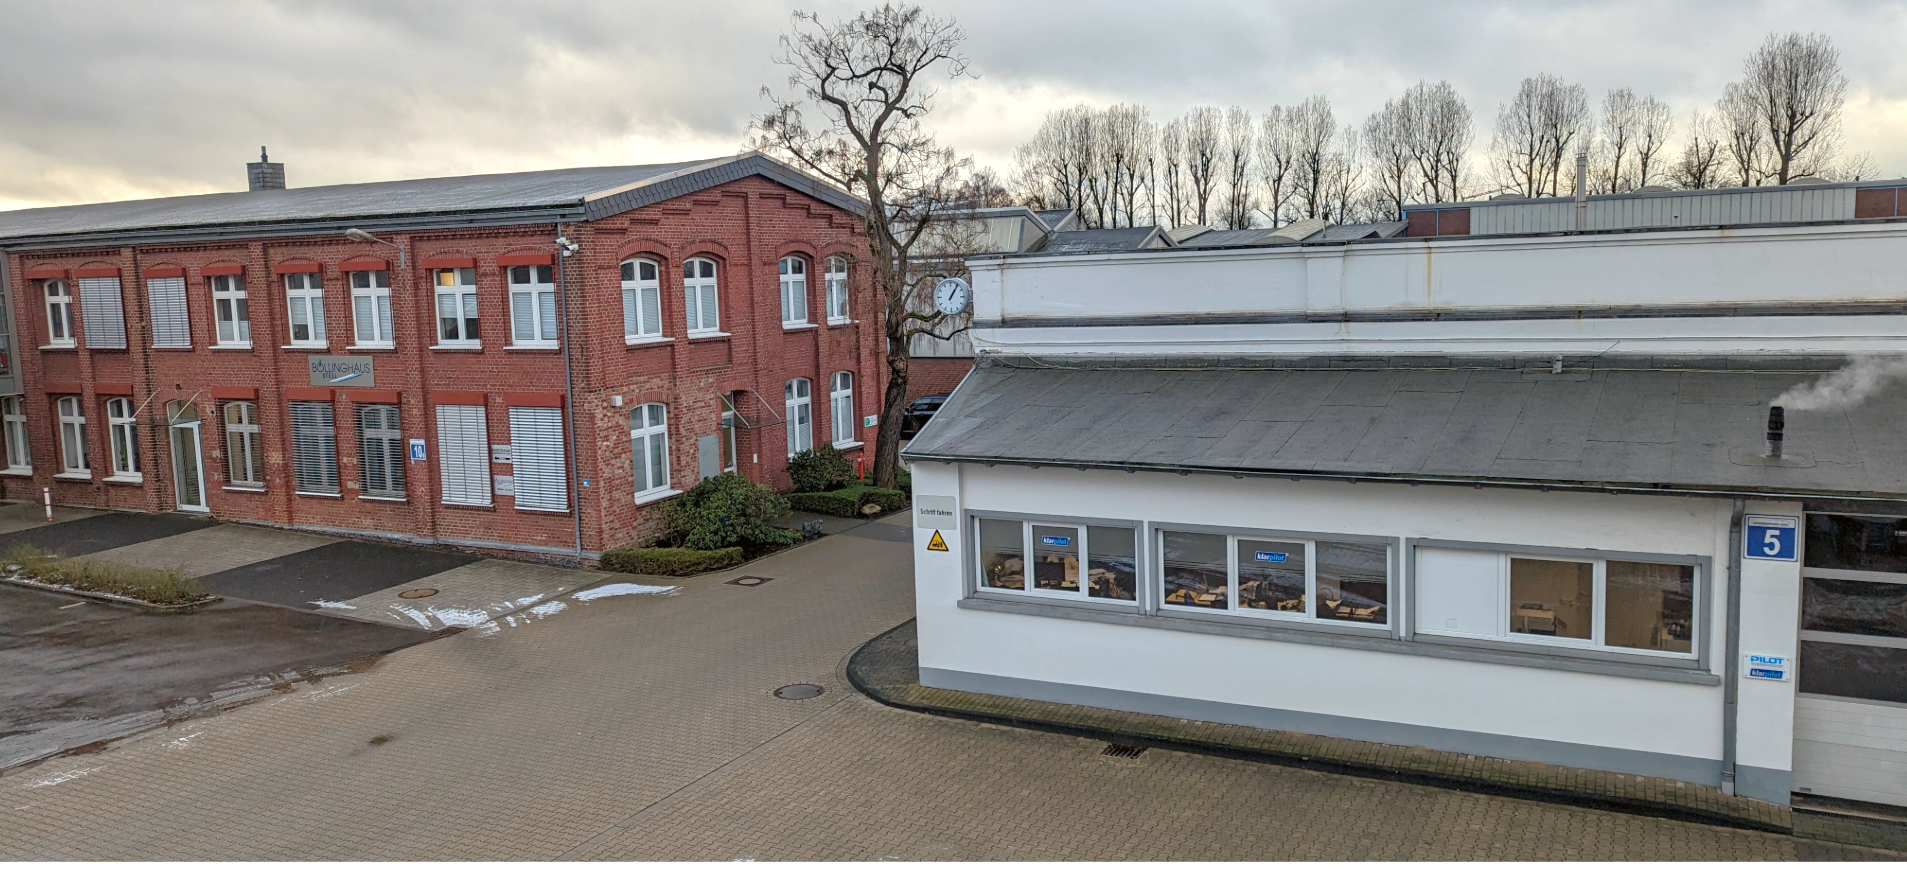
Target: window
[(314, 448), (641, 299), (243, 468), (457, 307), (1560, 600), (123, 430), (304, 297), (171, 323), (536, 451), (371, 309), (229, 313), (101, 309), (463, 454), (13, 415), (649, 445), (59, 314), (1275, 576), (841, 408), (380, 450), (800, 415), (698, 289), (1106, 553), (731, 420), (1854, 607), (836, 278), (794, 291), (73, 439), (533, 306)]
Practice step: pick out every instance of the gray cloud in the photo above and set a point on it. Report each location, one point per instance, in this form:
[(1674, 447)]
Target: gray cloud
[(103, 100)]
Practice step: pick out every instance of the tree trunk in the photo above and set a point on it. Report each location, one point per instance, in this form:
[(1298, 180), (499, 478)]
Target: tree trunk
[(887, 444)]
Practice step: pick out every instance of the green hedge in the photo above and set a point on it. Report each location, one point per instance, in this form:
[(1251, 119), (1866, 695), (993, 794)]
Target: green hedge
[(849, 501), (726, 510), (669, 560)]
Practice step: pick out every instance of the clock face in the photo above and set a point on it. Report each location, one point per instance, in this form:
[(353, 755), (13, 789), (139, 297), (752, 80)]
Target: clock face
[(951, 296)]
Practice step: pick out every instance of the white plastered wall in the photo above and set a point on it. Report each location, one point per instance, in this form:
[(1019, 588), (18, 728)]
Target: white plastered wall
[(1770, 625), (1580, 708)]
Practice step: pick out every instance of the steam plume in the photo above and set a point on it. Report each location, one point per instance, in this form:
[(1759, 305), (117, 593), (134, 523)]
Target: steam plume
[(1861, 378)]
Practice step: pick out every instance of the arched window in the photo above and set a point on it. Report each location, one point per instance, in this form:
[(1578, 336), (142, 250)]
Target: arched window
[(59, 314), (841, 408), (702, 302), (73, 438), (241, 446), (649, 444), (794, 291), (123, 430), (641, 299), (798, 402), (837, 281)]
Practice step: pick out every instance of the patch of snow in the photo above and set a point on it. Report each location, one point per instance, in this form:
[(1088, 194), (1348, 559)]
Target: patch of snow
[(64, 777), (618, 589), (549, 609), (332, 605)]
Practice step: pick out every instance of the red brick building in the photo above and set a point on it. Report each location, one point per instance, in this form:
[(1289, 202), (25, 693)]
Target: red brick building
[(527, 362)]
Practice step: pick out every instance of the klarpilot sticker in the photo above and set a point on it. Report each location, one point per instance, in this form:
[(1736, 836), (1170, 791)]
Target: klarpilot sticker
[(936, 544)]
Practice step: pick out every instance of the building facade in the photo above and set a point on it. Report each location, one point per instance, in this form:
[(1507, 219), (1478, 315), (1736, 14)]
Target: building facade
[(1512, 496), (529, 362)]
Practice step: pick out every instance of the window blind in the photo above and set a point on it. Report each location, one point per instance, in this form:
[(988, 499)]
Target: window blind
[(536, 447), (102, 314), (314, 448), (171, 325), (381, 451), (463, 454)]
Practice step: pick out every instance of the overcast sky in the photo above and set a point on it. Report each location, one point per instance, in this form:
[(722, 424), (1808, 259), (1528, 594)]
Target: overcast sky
[(122, 100)]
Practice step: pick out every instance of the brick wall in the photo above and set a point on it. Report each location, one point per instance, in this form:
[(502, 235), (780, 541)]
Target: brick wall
[(935, 375)]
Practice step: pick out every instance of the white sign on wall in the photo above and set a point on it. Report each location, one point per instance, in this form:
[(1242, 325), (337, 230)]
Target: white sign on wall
[(1773, 668), (936, 511)]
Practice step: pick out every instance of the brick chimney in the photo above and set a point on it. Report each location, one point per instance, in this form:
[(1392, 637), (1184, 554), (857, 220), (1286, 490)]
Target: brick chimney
[(264, 174)]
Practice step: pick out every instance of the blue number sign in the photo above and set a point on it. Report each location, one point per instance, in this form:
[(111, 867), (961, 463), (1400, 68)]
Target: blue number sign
[(1771, 538)]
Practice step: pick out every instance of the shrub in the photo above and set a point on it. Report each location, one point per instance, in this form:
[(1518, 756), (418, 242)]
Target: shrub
[(823, 469), (155, 585), (669, 560), (845, 502), (886, 499), (727, 510), (904, 481)]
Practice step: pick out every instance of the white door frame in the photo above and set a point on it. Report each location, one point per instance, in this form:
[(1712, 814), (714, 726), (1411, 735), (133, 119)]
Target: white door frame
[(190, 429)]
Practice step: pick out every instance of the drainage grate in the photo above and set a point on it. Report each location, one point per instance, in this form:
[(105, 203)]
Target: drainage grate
[(1126, 751), (798, 691), (415, 593), (750, 581)]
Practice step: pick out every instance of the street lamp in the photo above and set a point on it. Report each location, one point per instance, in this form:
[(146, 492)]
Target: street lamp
[(403, 260)]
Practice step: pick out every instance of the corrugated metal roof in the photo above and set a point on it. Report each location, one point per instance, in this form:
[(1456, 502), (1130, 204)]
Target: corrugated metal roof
[(594, 192), (1059, 219), (1355, 231), (1181, 233), (1227, 237), (1613, 426), (1102, 240)]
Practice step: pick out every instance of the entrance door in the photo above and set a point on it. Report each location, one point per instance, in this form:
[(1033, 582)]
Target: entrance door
[(188, 462), (1850, 720)]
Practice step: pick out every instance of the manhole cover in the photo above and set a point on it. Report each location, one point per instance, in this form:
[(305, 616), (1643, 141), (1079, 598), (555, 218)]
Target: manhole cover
[(415, 593), (798, 691), (751, 581)]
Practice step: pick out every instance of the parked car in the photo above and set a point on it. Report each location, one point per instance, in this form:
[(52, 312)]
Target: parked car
[(919, 411)]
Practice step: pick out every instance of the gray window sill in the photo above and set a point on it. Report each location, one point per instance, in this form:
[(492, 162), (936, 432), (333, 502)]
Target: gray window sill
[(652, 497), (126, 479), (256, 490), (86, 476), (388, 499), (16, 472), (1131, 617), (454, 348), (646, 341), (319, 494)]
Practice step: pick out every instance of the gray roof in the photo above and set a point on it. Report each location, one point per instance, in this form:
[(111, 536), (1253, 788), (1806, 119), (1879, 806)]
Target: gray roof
[(1058, 219), (570, 194), (1628, 424), (1102, 240), (1227, 237), (1355, 231)]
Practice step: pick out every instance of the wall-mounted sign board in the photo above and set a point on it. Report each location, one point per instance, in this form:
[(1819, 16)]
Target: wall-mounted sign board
[(1771, 538)]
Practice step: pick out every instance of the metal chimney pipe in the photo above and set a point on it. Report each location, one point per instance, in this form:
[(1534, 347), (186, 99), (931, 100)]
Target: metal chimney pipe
[(1777, 422), (1582, 189)]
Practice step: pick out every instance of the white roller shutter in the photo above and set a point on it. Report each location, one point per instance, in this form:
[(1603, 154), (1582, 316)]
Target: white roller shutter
[(171, 325), (463, 454), (536, 447), (314, 448), (102, 314)]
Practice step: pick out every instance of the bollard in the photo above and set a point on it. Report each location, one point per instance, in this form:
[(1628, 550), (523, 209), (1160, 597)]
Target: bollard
[(46, 495)]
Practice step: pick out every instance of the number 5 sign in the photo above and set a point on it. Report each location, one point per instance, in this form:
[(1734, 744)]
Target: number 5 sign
[(1771, 538)]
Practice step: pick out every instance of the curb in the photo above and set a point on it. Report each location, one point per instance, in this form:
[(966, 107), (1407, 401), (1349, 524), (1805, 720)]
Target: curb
[(105, 597)]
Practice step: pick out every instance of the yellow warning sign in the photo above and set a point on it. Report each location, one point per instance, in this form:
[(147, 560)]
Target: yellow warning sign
[(936, 544)]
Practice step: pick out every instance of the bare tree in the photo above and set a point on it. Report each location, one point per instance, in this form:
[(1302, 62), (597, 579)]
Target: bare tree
[(1126, 137), (1537, 132), (982, 189), (867, 81), (1393, 164), (1439, 132), (1654, 124), (1796, 85), (1343, 196), (1172, 175), (1700, 165), (1238, 146), (1615, 143), (1742, 135), (1314, 132), (1277, 160), (1204, 133)]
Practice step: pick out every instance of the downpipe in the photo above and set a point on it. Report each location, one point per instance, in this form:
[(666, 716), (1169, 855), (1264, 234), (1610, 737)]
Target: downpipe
[(1731, 667)]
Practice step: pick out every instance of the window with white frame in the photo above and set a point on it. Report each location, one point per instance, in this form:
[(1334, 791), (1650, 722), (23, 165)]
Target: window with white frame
[(304, 303), (536, 457), (1275, 576), (641, 299), (649, 447), (230, 315), (380, 451), (1854, 607), (102, 309), (371, 308), (463, 454), (1070, 559), (798, 402), (841, 417), (533, 306), (1620, 604), (456, 307), (72, 421), (836, 278), (731, 422), (122, 429), (794, 291), (700, 296), (59, 314), (171, 321), (13, 416), (244, 468), (314, 448)]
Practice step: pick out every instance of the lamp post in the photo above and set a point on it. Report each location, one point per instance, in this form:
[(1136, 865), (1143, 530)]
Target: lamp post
[(403, 258)]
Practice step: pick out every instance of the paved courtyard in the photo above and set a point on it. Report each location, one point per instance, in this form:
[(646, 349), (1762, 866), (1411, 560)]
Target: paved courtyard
[(639, 722)]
